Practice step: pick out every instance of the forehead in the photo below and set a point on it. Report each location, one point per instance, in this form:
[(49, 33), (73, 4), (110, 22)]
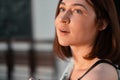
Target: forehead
[(87, 4), (69, 2)]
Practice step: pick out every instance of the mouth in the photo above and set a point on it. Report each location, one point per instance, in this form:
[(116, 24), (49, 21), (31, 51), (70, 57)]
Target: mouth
[(64, 31)]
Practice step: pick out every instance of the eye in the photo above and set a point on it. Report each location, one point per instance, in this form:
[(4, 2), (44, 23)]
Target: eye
[(78, 11), (61, 9)]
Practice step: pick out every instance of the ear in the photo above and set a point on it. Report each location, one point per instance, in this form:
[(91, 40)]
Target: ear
[(102, 25)]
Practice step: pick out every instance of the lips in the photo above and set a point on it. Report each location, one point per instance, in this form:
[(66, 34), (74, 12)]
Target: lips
[(63, 31)]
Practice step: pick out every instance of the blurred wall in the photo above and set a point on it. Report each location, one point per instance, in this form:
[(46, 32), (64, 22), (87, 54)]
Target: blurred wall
[(43, 12)]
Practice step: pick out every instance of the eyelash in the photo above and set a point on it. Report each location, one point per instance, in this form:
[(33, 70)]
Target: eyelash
[(78, 11), (61, 9)]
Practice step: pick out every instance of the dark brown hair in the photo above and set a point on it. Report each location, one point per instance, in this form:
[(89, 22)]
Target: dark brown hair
[(107, 43)]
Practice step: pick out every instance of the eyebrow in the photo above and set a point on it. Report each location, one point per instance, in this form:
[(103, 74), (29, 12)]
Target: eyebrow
[(75, 4)]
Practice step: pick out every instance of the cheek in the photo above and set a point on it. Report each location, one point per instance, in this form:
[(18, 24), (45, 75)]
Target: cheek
[(84, 28), (79, 26), (55, 22)]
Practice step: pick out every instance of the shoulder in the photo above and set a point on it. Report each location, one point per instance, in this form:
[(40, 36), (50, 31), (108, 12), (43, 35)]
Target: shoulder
[(103, 71)]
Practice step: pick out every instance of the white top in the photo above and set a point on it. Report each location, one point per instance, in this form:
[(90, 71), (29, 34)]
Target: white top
[(67, 72)]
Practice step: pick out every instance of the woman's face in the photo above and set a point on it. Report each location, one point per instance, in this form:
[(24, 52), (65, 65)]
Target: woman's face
[(75, 23)]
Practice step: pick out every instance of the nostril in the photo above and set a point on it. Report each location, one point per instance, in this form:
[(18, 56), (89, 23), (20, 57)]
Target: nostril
[(66, 20)]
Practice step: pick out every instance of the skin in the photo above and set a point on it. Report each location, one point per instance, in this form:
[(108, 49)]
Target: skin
[(76, 27), (75, 20)]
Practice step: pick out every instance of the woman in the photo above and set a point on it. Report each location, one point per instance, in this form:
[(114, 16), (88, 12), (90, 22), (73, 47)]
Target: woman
[(88, 32)]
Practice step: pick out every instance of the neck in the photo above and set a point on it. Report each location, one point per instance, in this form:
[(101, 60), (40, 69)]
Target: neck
[(78, 55)]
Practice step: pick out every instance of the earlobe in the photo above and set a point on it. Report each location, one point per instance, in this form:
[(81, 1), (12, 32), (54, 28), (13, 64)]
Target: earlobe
[(102, 25)]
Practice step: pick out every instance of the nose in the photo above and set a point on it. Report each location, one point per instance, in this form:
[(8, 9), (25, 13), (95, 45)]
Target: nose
[(65, 18)]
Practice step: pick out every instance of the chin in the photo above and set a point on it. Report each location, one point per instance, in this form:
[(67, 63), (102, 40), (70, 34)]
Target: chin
[(63, 43)]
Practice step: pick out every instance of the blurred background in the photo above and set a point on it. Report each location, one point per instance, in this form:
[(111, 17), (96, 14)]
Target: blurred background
[(26, 39)]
